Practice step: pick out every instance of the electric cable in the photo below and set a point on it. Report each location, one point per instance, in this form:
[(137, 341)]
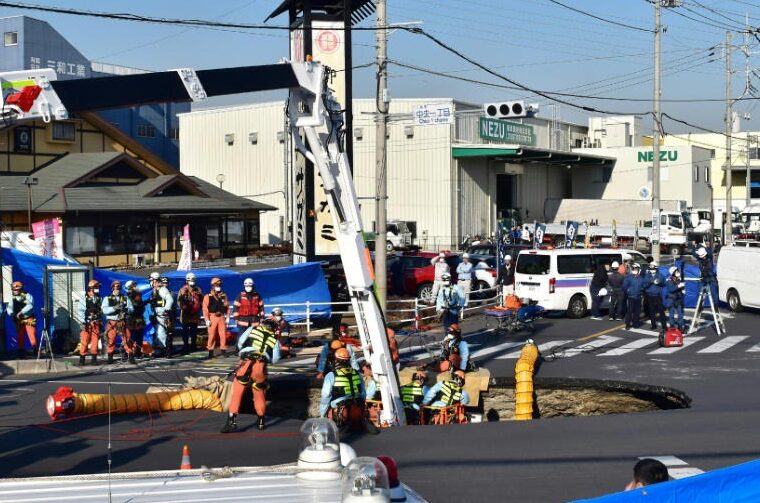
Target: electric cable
[(589, 14)]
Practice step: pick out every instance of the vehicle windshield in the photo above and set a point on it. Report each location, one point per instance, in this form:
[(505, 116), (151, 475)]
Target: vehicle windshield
[(750, 217), (528, 263), (402, 228), (686, 218)]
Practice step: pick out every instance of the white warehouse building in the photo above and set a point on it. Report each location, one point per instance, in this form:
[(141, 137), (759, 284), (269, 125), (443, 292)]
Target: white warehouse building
[(450, 179)]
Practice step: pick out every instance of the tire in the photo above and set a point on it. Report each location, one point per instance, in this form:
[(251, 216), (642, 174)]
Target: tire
[(674, 250), (577, 307), (734, 302), (425, 293), (389, 246)]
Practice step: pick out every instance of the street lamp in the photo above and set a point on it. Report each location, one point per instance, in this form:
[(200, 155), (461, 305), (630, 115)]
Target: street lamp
[(220, 178), (29, 181)]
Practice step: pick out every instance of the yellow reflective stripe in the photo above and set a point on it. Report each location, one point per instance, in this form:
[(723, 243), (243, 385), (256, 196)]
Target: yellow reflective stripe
[(18, 83)]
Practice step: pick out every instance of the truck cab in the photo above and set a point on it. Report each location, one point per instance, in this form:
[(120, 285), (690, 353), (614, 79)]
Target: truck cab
[(675, 230)]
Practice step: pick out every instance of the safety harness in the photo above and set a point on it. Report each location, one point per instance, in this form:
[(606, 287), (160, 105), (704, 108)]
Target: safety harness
[(450, 393), (92, 309), (347, 383), (412, 393)]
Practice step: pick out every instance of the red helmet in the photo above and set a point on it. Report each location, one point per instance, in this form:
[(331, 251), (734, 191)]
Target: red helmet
[(116, 284), (454, 329)]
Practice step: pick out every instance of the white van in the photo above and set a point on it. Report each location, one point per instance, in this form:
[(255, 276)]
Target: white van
[(737, 276), (559, 279)]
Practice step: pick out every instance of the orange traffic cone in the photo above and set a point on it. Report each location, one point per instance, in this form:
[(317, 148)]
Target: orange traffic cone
[(185, 459)]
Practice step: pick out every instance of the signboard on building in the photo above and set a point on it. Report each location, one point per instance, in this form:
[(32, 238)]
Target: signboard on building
[(22, 139), (433, 115), (49, 237), (506, 132), (665, 155)]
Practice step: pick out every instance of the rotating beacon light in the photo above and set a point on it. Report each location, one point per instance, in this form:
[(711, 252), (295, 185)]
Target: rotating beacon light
[(319, 457), (365, 480)]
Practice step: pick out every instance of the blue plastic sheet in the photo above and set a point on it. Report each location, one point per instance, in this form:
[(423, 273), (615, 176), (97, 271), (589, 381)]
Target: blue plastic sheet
[(739, 483), (691, 276)]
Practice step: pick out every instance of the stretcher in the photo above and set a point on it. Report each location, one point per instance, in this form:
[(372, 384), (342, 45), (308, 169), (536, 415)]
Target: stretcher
[(513, 320)]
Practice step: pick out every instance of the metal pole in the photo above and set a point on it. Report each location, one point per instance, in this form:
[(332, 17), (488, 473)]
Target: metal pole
[(29, 205), (748, 175), (656, 137), (728, 231), (381, 37), (286, 173)]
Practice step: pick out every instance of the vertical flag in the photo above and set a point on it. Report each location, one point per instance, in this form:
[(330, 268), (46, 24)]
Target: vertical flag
[(614, 234), (186, 259), (571, 233), (538, 234), (587, 237), (49, 236)]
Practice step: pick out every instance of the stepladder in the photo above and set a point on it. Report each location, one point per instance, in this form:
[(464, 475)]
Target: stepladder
[(697, 322)]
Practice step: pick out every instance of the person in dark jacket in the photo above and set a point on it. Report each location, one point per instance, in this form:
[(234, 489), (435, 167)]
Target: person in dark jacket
[(598, 289), (674, 294), (615, 286), (633, 287), (654, 285)]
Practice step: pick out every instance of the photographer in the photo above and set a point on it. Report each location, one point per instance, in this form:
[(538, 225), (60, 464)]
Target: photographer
[(706, 264)]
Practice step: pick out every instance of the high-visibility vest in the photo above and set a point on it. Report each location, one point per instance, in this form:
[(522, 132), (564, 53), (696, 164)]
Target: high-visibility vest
[(450, 393), (249, 304), (412, 393), (347, 383), (261, 341)]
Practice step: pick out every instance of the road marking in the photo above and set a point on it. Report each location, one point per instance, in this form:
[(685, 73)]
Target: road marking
[(754, 349), (677, 467), (644, 331), (591, 346), (628, 347), (496, 349), (541, 348), (687, 341), (603, 332), (724, 344)]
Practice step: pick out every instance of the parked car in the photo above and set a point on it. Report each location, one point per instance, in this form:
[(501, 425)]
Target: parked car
[(737, 273)]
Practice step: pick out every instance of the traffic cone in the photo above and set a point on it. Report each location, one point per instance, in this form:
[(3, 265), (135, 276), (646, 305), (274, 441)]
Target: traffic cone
[(185, 459)]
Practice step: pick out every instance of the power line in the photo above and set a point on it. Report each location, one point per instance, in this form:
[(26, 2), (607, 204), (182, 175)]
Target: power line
[(624, 25)]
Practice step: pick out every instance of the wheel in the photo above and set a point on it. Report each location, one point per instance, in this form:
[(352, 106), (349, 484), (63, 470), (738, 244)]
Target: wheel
[(674, 250), (425, 293), (389, 246), (576, 308), (734, 302)]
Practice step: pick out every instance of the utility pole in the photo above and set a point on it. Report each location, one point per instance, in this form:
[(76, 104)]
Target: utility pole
[(728, 229), (748, 175), (656, 137), (381, 102)]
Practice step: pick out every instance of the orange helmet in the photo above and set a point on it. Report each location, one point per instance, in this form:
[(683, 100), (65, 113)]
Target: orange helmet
[(216, 282), (116, 284), (459, 377), (342, 354), (336, 344), (17, 285), (454, 329), (93, 283)]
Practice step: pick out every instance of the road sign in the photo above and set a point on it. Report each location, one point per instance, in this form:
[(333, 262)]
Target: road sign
[(433, 115)]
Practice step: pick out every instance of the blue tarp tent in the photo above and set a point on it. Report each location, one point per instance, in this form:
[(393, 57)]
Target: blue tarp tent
[(736, 484)]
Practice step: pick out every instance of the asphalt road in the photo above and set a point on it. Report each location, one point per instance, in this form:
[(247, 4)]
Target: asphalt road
[(556, 459)]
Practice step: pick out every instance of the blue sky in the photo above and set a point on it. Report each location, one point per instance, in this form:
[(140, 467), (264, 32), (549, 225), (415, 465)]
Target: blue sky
[(536, 42)]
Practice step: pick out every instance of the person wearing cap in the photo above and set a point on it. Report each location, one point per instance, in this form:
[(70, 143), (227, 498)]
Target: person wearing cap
[(706, 265), (20, 309), (449, 302), (91, 312), (326, 357), (507, 276), (441, 268), (258, 347), (615, 287), (282, 332), (675, 289), (248, 308), (342, 384), (216, 307), (653, 289), (633, 287), (116, 307), (447, 393), (135, 320), (456, 352), (412, 395), (190, 299), (464, 277), (162, 304)]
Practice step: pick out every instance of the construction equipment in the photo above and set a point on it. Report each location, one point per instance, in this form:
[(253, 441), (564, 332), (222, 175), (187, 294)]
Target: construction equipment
[(705, 292), (312, 111)]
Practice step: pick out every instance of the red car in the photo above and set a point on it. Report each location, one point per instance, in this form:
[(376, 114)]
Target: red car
[(413, 274)]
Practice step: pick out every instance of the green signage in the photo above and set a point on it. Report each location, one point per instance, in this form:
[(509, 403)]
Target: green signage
[(506, 132), (665, 155)]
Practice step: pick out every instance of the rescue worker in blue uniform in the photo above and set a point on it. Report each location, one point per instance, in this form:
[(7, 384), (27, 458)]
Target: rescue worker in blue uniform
[(449, 302), (654, 285), (447, 393), (162, 305), (456, 352), (633, 286), (344, 384), (412, 395), (674, 293)]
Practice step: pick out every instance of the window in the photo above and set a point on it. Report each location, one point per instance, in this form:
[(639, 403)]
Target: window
[(578, 143), (63, 131), (600, 260), (212, 235), (252, 233), (80, 240), (707, 174), (712, 153), (606, 173), (112, 239), (173, 133), (140, 238), (754, 153), (146, 131), (696, 173), (11, 38), (234, 234), (574, 264), (527, 263), (640, 259), (675, 221)]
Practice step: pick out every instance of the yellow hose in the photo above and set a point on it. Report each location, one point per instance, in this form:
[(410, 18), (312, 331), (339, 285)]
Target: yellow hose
[(524, 382)]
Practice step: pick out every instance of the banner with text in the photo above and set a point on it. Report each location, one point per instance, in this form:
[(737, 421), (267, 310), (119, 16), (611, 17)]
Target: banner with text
[(49, 237), (571, 234)]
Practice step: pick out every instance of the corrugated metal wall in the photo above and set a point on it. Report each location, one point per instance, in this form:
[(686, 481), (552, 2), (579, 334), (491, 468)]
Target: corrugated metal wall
[(475, 196)]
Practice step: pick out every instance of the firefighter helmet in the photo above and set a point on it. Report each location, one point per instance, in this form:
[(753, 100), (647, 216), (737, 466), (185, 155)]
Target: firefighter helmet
[(216, 282), (17, 285), (342, 355), (93, 283)]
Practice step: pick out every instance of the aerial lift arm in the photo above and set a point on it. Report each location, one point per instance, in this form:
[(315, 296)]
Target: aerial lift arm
[(312, 110)]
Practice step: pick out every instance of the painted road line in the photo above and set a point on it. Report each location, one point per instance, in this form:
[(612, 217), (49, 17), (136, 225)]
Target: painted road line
[(687, 341), (589, 346), (677, 467), (541, 348), (724, 344), (628, 347), (496, 349), (754, 349), (644, 331), (603, 332)]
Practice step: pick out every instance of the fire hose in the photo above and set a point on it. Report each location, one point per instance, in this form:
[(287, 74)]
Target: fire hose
[(524, 382), (65, 403)]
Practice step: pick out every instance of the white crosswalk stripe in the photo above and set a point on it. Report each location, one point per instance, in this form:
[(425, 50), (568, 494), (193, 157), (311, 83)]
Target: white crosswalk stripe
[(629, 347), (687, 341), (724, 344), (677, 467), (590, 346), (541, 348), (644, 331), (754, 349), (496, 349)]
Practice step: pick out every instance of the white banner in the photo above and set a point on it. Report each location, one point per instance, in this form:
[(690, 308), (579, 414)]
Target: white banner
[(49, 237), (186, 259)]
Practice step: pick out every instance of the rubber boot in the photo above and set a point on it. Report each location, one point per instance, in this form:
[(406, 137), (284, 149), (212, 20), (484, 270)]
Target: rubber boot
[(261, 424), (110, 358), (210, 354), (223, 353), (94, 360), (230, 425), (132, 359), (81, 360)]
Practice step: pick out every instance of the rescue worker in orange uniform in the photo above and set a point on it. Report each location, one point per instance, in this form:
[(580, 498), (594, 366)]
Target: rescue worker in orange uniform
[(190, 299), (92, 313), (21, 310), (258, 347), (135, 318), (215, 310), (249, 307), (116, 307)]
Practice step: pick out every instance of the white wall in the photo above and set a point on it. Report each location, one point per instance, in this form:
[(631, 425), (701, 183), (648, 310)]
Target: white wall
[(621, 131)]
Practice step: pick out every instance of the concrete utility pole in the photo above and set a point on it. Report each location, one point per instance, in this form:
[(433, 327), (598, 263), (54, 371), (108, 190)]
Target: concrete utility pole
[(656, 137), (728, 229), (748, 174), (381, 56)]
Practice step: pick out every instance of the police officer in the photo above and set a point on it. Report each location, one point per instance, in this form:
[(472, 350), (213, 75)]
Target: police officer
[(447, 393), (190, 300), (449, 302), (162, 303), (456, 352), (249, 307), (215, 310), (258, 347), (135, 317), (706, 267), (21, 310), (341, 385), (617, 297), (674, 294), (633, 286), (116, 307), (412, 395), (653, 288), (91, 312)]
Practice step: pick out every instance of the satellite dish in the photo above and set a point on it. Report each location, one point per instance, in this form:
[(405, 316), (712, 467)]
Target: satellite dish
[(644, 193)]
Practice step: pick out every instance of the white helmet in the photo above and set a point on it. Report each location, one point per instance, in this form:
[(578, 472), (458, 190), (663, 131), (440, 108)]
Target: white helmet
[(615, 264), (248, 282), (673, 269), (276, 311), (154, 276), (129, 284), (465, 255), (701, 252), (190, 277), (508, 258)]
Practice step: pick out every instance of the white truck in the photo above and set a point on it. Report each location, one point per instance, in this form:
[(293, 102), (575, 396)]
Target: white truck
[(398, 236)]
